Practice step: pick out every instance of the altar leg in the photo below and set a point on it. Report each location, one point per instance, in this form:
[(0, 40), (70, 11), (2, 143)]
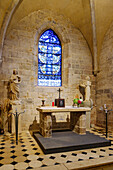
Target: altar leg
[(78, 122), (46, 124)]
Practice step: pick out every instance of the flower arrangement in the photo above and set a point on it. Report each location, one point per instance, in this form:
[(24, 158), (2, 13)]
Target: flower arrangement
[(77, 101)]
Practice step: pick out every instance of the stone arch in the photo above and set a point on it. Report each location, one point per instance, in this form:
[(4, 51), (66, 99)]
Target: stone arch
[(6, 22), (21, 46)]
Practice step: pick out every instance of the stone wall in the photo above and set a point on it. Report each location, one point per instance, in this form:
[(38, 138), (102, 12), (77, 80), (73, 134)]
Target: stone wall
[(20, 52), (104, 90)]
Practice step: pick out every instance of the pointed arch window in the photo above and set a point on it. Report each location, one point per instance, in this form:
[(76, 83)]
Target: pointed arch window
[(49, 59)]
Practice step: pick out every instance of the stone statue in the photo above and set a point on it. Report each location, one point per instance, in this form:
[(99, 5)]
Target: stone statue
[(5, 110), (13, 89), (86, 85)]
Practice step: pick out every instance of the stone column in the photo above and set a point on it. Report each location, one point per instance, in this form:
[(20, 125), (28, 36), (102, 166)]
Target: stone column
[(93, 20)]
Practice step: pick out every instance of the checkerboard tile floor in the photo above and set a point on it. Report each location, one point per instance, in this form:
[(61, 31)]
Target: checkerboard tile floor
[(28, 155)]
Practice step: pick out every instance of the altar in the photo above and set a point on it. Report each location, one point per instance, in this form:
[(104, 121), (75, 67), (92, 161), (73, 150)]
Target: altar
[(77, 119)]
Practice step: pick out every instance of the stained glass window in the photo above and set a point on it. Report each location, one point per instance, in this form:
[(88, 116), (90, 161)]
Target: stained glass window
[(49, 59)]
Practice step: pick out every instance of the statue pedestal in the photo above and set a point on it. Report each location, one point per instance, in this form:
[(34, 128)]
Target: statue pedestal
[(88, 114), (88, 120), (16, 106)]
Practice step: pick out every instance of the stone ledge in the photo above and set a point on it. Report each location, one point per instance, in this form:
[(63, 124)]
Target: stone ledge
[(89, 164)]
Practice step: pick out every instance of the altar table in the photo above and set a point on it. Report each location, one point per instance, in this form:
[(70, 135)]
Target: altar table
[(77, 119)]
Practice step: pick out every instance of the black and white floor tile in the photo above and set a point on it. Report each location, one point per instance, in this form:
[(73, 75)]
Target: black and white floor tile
[(28, 155)]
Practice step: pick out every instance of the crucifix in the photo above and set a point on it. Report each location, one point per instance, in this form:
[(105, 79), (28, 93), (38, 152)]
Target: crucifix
[(59, 90)]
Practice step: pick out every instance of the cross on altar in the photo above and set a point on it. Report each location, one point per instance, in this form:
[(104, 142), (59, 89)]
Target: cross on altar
[(59, 90)]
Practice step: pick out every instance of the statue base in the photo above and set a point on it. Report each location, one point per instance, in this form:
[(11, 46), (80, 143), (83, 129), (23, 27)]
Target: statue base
[(88, 113)]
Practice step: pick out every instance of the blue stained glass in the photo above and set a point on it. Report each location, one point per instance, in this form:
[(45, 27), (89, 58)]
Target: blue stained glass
[(42, 58), (49, 36), (49, 59)]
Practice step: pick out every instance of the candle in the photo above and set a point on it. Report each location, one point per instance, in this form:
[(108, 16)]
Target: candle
[(52, 103)]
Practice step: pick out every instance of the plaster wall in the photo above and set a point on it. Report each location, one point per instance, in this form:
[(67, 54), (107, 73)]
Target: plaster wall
[(20, 52)]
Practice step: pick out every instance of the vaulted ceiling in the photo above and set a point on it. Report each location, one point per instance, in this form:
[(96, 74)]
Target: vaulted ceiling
[(78, 11)]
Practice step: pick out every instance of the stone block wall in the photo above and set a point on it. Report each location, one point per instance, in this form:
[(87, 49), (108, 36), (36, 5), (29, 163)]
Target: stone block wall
[(20, 52), (104, 89)]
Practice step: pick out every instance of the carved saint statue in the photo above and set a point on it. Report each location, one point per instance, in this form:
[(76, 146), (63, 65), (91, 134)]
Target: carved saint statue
[(13, 88), (87, 85)]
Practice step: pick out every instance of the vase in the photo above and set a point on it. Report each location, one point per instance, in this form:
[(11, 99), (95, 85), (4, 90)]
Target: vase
[(78, 105)]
